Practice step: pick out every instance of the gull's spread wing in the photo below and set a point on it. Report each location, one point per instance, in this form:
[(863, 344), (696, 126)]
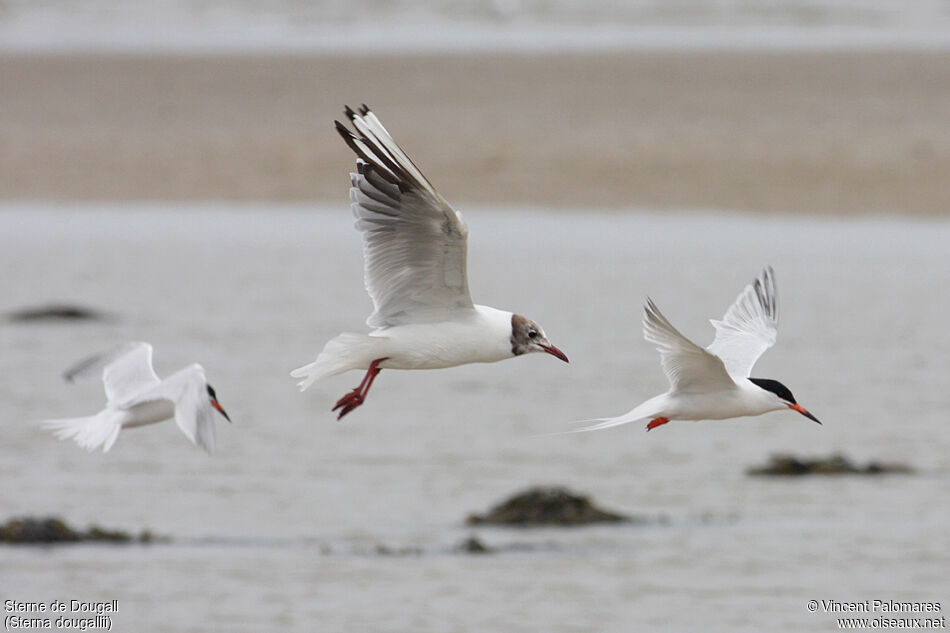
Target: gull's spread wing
[(414, 243), (749, 326), (688, 367), (126, 370)]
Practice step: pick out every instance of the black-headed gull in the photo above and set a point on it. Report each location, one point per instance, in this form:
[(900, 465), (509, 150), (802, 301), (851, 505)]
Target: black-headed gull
[(714, 383), (136, 396), (414, 252)]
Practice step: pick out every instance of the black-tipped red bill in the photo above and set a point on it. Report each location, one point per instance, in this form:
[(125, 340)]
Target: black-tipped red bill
[(804, 412), (217, 405)]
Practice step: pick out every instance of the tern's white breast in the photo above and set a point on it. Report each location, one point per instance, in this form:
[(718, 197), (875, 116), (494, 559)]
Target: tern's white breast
[(149, 413), (745, 399)]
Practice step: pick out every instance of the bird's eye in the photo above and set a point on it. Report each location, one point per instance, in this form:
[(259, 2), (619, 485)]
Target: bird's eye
[(532, 334)]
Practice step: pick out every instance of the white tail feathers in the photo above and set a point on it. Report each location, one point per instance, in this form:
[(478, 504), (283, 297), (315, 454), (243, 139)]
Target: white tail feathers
[(342, 353), (90, 432), (605, 423), (645, 411)]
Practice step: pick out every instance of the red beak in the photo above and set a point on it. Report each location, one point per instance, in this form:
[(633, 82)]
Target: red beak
[(555, 352), (217, 405), (804, 412)]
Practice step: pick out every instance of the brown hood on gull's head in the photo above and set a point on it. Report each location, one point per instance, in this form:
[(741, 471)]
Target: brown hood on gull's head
[(527, 336)]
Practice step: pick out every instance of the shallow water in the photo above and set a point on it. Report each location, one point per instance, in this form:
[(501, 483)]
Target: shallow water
[(281, 529), (462, 25)]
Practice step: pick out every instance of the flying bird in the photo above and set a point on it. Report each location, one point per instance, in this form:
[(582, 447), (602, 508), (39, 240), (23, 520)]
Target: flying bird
[(715, 383), (414, 252), (136, 396)]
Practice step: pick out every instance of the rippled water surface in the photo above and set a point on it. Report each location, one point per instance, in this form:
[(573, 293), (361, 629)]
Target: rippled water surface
[(303, 523)]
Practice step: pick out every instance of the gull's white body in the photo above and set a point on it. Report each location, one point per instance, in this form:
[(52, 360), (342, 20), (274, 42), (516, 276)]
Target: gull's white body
[(479, 335), (713, 383), (414, 252), (136, 396)]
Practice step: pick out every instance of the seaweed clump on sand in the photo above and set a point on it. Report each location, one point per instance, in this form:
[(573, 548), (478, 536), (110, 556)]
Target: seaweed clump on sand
[(546, 506), (781, 465), (52, 530)]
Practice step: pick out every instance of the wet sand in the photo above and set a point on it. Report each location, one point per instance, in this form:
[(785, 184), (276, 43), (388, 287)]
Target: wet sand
[(815, 132)]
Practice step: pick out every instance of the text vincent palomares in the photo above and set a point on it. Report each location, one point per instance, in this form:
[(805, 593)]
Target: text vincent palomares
[(879, 606)]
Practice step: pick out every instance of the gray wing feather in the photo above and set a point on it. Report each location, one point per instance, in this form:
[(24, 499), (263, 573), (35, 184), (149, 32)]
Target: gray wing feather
[(749, 327), (414, 242), (126, 370), (688, 367), (188, 390)]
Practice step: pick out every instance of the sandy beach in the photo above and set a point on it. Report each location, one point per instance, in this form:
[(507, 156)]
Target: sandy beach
[(810, 132)]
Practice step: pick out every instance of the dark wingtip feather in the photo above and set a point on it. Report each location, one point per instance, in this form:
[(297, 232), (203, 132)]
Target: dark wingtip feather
[(384, 163), (348, 136)]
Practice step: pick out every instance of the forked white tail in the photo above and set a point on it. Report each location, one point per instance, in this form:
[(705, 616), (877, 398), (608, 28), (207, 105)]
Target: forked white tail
[(89, 432), (646, 411)]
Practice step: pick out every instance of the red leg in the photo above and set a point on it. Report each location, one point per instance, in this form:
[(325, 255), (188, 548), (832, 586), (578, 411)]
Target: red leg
[(657, 422), (356, 397)]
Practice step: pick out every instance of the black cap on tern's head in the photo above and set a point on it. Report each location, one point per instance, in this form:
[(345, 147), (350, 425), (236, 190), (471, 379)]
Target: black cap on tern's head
[(527, 336), (784, 394), (216, 404)]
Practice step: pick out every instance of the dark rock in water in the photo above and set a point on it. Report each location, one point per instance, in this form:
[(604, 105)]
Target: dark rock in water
[(30, 530), (56, 312), (96, 533), (546, 506), (836, 464), (473, 545), (385, 550)]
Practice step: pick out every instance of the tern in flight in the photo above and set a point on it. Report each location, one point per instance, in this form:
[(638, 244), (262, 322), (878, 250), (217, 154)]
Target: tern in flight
[(136, 396), (414, 252), (715, 383)]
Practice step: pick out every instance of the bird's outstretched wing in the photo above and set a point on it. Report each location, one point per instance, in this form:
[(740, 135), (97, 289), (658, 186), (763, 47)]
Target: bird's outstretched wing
[(187, 389), (414, 243), (688, 367), (749, 327), (126, 370)]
